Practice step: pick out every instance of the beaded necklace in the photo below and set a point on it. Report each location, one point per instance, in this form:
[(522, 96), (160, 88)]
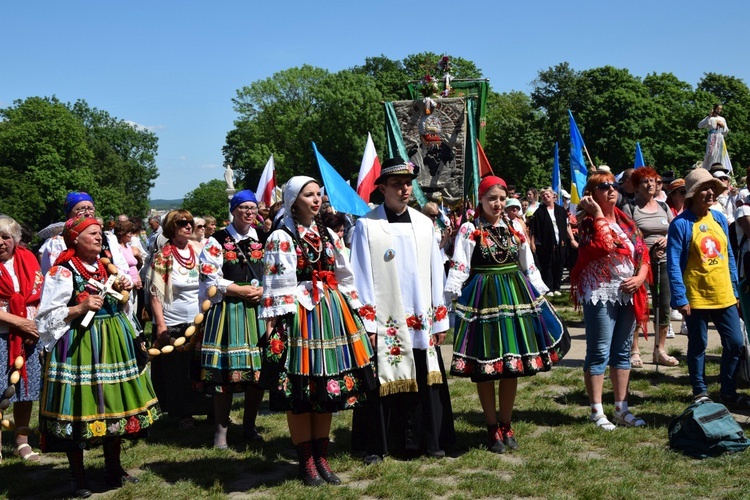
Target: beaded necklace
[(501, 242), (99, 275), (311, 243), (188, 263)]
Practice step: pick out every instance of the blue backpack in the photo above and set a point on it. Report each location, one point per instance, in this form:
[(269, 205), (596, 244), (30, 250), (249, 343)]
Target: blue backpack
[(706, 429)]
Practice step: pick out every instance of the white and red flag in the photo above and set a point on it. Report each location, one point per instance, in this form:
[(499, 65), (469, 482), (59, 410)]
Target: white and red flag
[(368, 171), (267, 186)]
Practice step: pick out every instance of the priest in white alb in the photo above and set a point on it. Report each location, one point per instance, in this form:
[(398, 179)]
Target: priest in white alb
[(398, 271)]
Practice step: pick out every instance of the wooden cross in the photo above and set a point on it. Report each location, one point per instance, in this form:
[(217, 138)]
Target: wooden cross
[(105, 288)]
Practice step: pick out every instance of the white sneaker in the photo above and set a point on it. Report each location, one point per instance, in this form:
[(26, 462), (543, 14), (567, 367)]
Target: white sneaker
[(683, 328), (670, 332), (675, 315), (550, 294), (556, 293)]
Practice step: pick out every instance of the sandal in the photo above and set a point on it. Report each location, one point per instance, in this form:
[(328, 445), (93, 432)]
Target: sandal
[(602, 422), (627, 419), (635, 360), (663, 359), (736, 401), (30, 456)]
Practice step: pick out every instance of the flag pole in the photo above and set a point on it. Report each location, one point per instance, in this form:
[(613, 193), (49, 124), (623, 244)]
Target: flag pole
[(591, 163)]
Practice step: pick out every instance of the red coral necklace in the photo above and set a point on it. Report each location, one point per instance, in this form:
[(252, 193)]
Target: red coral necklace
[(99, 275), (188, 263)]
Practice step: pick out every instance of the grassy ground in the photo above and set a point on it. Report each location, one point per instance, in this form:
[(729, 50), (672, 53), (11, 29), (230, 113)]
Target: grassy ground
[(562, 455)]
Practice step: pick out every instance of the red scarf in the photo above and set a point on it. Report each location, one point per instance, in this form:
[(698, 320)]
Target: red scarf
[(30, 279), (596, 243)]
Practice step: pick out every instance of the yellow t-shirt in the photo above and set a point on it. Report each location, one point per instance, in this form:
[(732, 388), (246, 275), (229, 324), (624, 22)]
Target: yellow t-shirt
[(706, 277)]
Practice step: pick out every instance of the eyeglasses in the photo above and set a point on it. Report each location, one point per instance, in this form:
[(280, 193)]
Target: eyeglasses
[(604, 186), (183, 223), (245, 208), (199, 226), (90, 209)]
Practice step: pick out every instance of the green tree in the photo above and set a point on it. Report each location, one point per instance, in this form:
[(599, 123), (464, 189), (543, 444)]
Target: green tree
[(209, 198), (418, 65), (389, 77), (44, 155), (673, 141), (125, 160), (516, 146), (347, 108), (276, 115)]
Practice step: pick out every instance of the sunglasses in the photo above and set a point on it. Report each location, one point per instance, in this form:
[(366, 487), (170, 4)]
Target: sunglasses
[(604, 186), (183, 223), (199, 226)]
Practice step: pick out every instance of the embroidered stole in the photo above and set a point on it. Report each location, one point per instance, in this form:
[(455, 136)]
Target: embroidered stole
[(395, 358)]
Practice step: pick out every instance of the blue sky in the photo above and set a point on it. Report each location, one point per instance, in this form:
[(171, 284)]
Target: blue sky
[(174, 66)]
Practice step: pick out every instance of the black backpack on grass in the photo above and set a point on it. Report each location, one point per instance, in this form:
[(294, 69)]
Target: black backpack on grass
[(706, 429)]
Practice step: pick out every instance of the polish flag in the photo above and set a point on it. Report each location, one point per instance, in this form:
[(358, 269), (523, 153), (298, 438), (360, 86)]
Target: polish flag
[(266, 191), (368, 171)]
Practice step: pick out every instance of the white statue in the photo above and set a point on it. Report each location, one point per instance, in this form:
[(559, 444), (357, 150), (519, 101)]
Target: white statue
[(229, 176)]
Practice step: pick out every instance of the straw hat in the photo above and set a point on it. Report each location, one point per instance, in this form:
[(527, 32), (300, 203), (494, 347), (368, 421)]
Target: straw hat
[(697, 178)]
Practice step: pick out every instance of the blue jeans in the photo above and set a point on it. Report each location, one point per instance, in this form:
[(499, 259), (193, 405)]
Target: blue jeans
[(609, 336), (727, 322)]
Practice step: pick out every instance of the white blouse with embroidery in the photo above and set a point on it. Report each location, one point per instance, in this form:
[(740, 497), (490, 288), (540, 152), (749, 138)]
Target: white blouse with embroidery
[(281, 290), (53, 308), (463, 249), (212, 259)]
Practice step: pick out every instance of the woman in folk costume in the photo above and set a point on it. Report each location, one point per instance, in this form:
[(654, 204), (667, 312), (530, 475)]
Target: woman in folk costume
[(229, 356), (399, 272), (93, 389), (318, 354), (505, 328), (20, 290)]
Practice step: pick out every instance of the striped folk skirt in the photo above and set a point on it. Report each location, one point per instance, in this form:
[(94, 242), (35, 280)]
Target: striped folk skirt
[(319, 360), (93, 388), (504, 329), (228, 356)]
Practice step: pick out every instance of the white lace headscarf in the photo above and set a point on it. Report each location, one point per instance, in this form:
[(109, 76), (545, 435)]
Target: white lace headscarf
[(291, 191)]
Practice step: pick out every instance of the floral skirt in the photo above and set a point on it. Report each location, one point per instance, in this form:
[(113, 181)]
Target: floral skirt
[(504, 329), (24, 391), (93, 388), (319, 360), (228, 357)]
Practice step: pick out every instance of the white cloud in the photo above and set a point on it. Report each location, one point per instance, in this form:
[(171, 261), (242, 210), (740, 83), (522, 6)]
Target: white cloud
[(182, 158), (210, 165), (149, 128)]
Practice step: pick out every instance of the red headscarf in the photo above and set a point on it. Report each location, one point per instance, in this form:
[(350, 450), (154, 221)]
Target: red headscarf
[(29, 277), (74, 227), (490, 181)]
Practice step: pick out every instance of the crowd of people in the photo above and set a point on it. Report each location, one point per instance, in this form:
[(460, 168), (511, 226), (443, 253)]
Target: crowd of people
[(327, 313)]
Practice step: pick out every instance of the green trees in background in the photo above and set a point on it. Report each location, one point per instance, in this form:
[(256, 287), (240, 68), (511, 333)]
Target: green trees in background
[(48, 149), (209, 198), (612, 107)]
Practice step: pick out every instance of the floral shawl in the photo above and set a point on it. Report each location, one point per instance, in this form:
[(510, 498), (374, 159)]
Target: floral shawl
[(161, 270), (596, 242)]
